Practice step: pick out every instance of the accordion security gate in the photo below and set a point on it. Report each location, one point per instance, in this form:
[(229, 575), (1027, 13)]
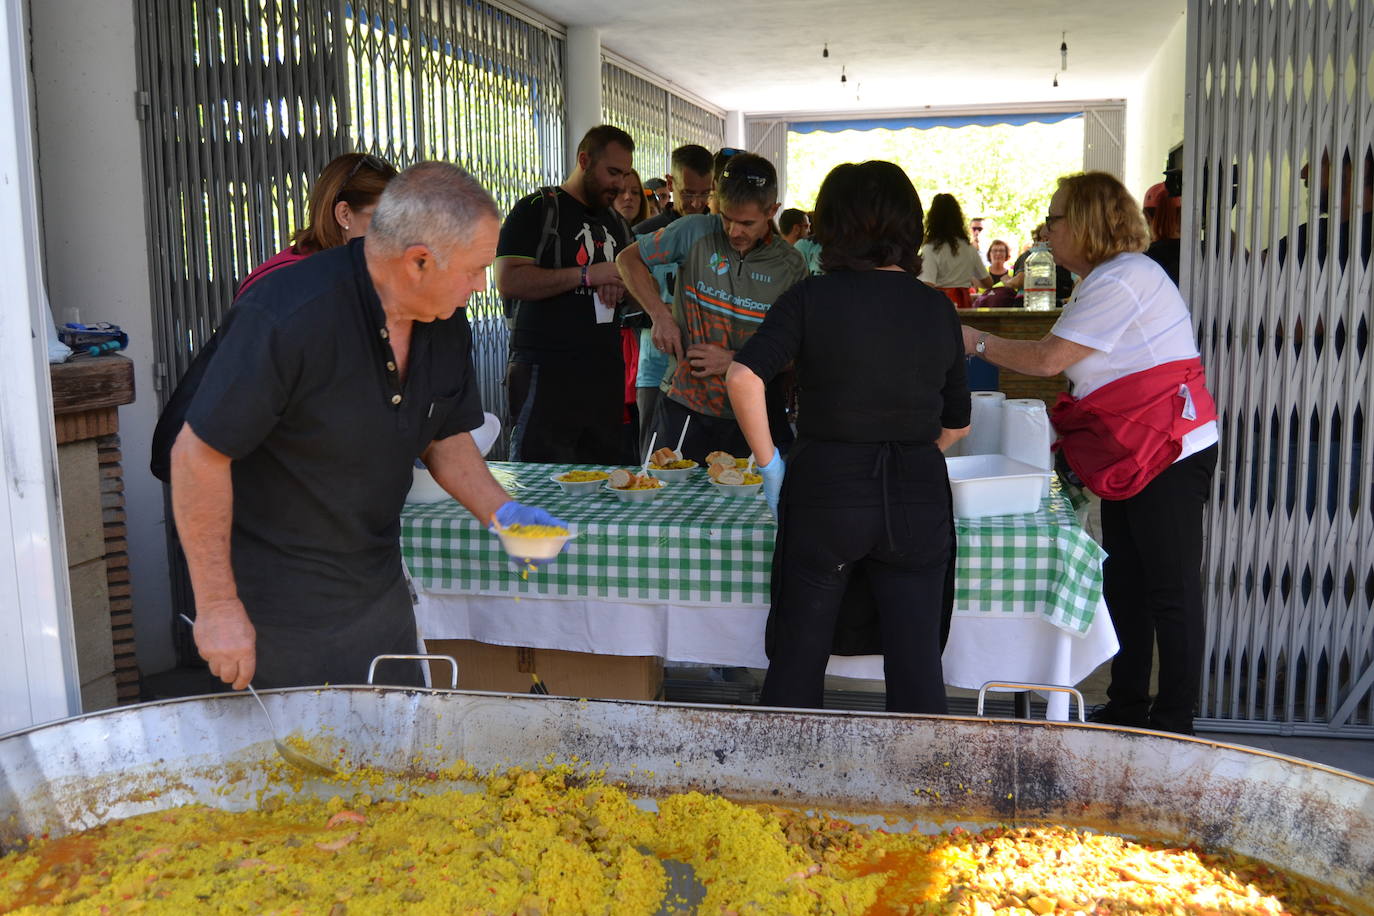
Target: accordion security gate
[(659, 120), (1282, 104), (246, 100)]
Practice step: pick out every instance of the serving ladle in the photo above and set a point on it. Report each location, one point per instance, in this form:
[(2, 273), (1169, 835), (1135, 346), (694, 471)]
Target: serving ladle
[(288, 753)]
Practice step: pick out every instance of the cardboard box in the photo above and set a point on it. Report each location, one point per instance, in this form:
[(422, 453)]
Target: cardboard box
[(569, 674)]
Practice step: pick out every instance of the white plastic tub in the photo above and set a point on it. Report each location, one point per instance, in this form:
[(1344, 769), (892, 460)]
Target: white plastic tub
[(994, 485), (425, 489)]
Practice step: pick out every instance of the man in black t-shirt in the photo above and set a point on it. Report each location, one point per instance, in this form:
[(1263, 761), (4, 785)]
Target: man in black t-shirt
[(289, 474), (555, 266)]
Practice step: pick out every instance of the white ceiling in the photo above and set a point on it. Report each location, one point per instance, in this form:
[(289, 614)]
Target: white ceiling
[(765, 55)]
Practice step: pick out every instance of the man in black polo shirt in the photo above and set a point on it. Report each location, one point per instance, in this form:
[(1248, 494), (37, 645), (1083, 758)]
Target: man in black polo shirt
[(555, 266), (330, 380)]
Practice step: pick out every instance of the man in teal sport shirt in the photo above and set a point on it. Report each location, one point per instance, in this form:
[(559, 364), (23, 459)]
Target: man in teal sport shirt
[(731, 268)]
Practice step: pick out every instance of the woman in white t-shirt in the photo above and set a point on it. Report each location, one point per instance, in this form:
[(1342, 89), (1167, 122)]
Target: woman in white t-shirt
[(1140, 430), (949, 262)]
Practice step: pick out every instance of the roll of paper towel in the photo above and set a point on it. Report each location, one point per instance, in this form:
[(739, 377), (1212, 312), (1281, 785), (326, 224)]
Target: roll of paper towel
[(1026, 434), (985, 428)]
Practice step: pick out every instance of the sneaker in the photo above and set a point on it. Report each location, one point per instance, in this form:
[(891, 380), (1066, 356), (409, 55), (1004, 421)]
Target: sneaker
[(1107, 715)]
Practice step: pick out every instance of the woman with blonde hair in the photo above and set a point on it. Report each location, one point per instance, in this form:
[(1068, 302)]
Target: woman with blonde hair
[(1139, 430), (949, 262), (341, 205)]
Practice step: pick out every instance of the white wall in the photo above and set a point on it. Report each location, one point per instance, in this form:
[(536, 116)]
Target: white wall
[(96, 251), (38, 674), (1154, 112)]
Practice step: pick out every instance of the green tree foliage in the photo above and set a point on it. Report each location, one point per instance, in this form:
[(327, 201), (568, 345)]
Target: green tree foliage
[(1005, 174)]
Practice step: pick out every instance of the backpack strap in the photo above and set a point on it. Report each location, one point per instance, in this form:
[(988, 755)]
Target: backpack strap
[(548, 235)]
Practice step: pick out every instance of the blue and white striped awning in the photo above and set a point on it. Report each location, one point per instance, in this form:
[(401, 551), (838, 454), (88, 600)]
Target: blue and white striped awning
[(924, 123)]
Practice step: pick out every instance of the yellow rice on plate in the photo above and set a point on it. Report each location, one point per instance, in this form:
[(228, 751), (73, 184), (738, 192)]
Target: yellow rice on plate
[(583, 476)]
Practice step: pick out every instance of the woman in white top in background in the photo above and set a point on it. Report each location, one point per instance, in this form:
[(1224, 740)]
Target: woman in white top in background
[(949, 262)]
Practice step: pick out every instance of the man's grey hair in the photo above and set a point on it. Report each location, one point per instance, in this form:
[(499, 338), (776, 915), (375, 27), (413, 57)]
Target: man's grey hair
[(435, 204)]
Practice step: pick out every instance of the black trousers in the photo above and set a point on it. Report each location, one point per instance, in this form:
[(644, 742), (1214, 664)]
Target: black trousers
[(295, 652), (567, 412), (709, 434), (906, 571), (704, 434), (1152, 581)]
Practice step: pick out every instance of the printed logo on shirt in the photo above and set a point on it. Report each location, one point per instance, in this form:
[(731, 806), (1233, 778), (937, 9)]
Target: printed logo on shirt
[(720, 265), (761, 278), (589, 245)]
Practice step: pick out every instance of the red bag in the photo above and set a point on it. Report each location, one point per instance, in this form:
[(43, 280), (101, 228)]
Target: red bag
[(1120, 437)]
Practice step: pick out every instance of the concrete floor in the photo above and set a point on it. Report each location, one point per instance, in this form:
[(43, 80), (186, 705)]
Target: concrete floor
[(1353, 755)]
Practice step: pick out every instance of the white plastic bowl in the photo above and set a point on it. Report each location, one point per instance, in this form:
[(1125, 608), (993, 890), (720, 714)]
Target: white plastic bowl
[(737, 490), (674, 474), (579, 487), (532, 548), (638, 496), (425, 489), (994, 485)]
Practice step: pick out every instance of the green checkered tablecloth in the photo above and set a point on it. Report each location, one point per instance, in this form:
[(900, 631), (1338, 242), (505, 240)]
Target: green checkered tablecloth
[(693, 546)]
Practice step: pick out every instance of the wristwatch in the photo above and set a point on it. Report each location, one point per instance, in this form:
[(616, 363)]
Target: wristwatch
[(981, 346)]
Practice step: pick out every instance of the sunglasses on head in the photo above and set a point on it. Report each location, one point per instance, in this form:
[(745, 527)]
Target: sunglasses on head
[(754, 178), (378, 165), (729, 151)]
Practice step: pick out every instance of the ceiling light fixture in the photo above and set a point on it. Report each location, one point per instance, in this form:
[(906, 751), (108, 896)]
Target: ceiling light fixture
[(1056, 81), (843, 78), (1063, 51), (825, 51)]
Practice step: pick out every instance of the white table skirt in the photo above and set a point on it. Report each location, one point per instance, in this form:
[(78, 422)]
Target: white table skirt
[(981, 648)]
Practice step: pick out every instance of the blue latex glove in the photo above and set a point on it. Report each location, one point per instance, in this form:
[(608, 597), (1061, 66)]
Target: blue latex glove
[(514, 513), (772, 473)]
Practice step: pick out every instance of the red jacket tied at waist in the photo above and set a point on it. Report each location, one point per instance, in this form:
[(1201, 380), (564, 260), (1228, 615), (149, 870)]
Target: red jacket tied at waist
[(1121, 436)]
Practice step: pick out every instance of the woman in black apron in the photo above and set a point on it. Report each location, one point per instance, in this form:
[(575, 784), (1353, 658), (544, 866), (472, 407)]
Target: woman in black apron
[(882, 391)]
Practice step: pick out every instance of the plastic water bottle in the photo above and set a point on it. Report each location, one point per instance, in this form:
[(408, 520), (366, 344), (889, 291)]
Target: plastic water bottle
[(1040, 279)]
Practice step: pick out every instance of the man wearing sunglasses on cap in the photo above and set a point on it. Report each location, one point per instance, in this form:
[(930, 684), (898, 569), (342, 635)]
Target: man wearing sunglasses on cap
[(731, 268), (555, 267)]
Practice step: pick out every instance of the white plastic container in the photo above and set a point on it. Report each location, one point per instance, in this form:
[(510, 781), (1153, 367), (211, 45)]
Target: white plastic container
[(994, 485), (1027, 434), (425, 489)]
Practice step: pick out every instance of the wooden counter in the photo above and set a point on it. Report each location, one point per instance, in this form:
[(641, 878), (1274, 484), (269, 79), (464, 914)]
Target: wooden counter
[(1019, 324), (86, 395)]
